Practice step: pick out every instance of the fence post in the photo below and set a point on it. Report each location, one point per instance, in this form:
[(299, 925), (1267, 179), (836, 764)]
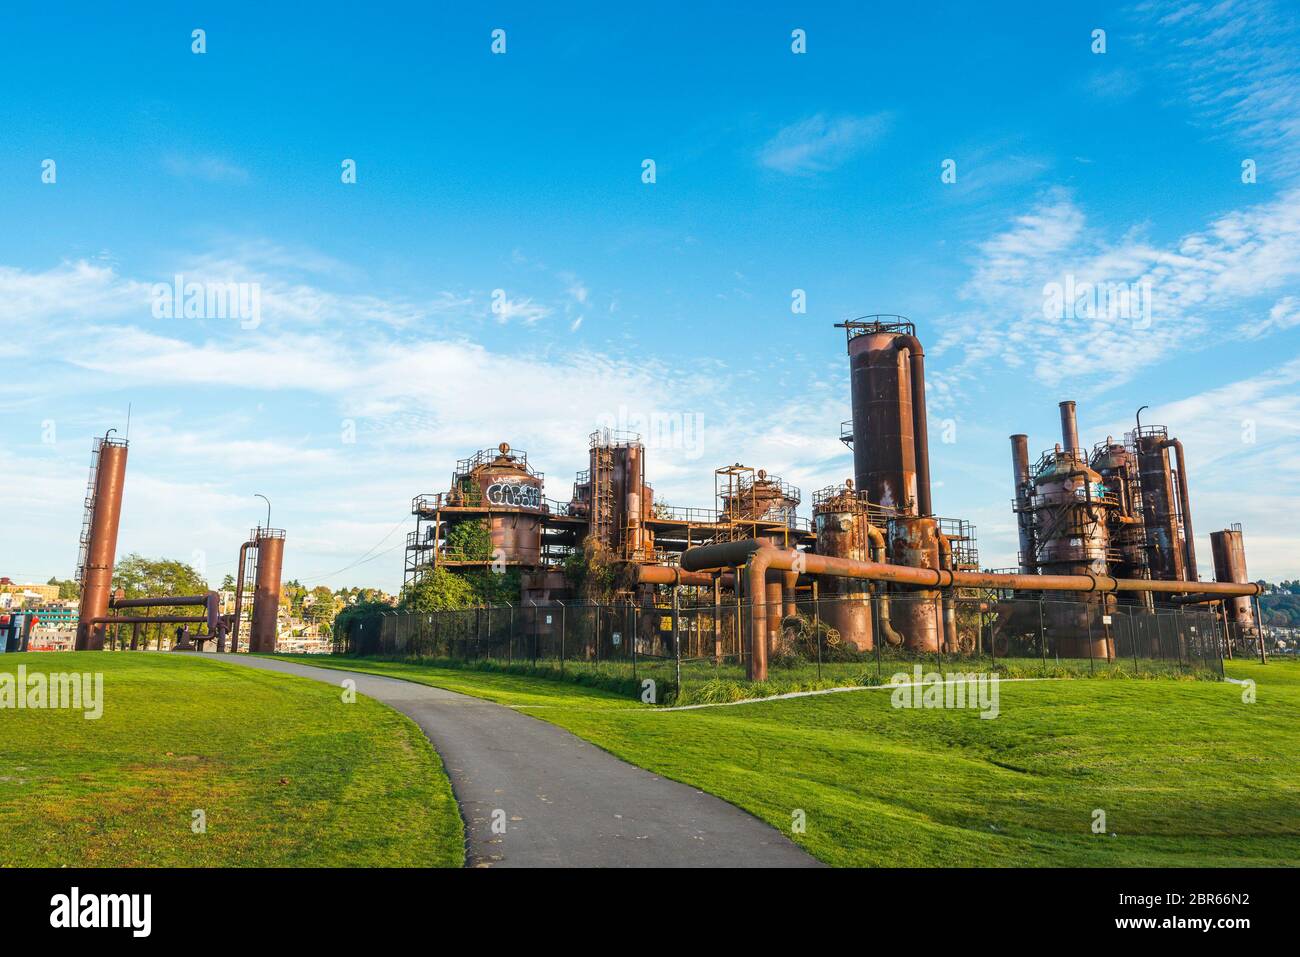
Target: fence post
[(817, 630), (1259, 629), (875, 614), (677, 635), (562, 624), (1042, 634), (1217, 642), (1092, 669)]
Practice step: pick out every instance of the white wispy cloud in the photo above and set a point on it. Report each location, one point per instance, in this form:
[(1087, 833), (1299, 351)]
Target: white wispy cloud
[(1237, 64), (1242, 264), (206, 167), (820, 143)]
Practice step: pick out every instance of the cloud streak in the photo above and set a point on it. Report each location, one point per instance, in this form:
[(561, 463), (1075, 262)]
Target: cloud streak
[(820, 144)]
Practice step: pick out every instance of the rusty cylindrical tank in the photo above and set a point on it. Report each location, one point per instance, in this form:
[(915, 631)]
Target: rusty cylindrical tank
[(1071, 536), (101, 541), (884, 446), (266, 590), (1165, 552), (1229, 550), (917, 615), (514, 495), (842, 532), (1117, 465)]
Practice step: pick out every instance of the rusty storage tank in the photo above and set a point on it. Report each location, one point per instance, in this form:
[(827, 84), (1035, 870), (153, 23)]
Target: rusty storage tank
[(1117, 464), (266, 589), (1071, 508), (762, 497), (891, 457), (1164, 534), (883, 355), (1229, 550), (612, 493), (917, 615), (99, 538), (512, 494), (842, 522)]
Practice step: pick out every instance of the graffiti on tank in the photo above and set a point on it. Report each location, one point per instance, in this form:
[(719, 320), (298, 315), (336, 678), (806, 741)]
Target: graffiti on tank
[(514, 495)]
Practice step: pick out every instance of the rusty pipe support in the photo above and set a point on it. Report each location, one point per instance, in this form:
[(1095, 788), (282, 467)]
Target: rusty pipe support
[(920, 429)]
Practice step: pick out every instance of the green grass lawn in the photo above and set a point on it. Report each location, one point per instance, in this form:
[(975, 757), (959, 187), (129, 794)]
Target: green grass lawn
[(286, 773), (1185, 771)]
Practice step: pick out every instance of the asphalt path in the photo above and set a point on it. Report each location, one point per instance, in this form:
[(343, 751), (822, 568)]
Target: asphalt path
[(534, 795)]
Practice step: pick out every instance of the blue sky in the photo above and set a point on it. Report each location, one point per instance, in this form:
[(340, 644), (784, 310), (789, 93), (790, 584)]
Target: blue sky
[(378, 358)]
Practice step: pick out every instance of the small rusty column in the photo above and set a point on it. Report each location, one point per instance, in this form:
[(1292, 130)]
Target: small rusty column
[(266, 590), (104, 512)]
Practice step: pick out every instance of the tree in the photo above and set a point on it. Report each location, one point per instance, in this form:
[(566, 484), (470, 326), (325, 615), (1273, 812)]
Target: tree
[(228, 583), (141, 577), (439, 590), (320, 605), (67, 589)]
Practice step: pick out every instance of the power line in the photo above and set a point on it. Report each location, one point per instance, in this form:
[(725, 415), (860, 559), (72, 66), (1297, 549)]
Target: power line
[(363, 559)]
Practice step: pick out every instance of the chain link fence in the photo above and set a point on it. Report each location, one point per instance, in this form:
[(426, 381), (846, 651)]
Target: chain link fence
[(689, 648)]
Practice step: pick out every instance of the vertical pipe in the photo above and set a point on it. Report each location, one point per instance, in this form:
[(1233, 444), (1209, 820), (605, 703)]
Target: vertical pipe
[(920, 429), (1184, 500), (1020, 475), (101, 545), (239, 594), (1069, 426)]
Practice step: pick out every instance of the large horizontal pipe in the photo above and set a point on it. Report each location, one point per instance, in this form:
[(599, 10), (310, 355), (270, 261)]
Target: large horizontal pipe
[(669, 575), (721, 555), (163, 601), (733, 553), (760, 557), (1197, 599), (149, 620)]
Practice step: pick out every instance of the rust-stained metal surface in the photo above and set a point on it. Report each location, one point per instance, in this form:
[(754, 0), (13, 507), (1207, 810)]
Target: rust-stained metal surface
[(266, 589), (1023, 492), (844, 530), (1229, 549), (99, 540), (1166, 555), (884, 422), (914, 542), (760, 559)]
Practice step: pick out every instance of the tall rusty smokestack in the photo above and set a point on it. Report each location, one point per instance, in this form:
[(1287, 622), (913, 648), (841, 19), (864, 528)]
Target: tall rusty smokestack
[(1024, 521), (266, 590), (99, 540), (1069, 426)]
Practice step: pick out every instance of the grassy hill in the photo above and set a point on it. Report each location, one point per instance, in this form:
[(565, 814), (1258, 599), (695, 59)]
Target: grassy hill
[(1185, 771), (285, 772)]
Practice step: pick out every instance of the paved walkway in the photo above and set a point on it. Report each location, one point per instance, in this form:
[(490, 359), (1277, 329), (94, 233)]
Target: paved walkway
[(565, 802)]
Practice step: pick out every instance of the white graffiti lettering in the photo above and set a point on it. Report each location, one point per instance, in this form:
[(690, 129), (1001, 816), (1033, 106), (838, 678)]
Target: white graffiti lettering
[(514, 495)]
